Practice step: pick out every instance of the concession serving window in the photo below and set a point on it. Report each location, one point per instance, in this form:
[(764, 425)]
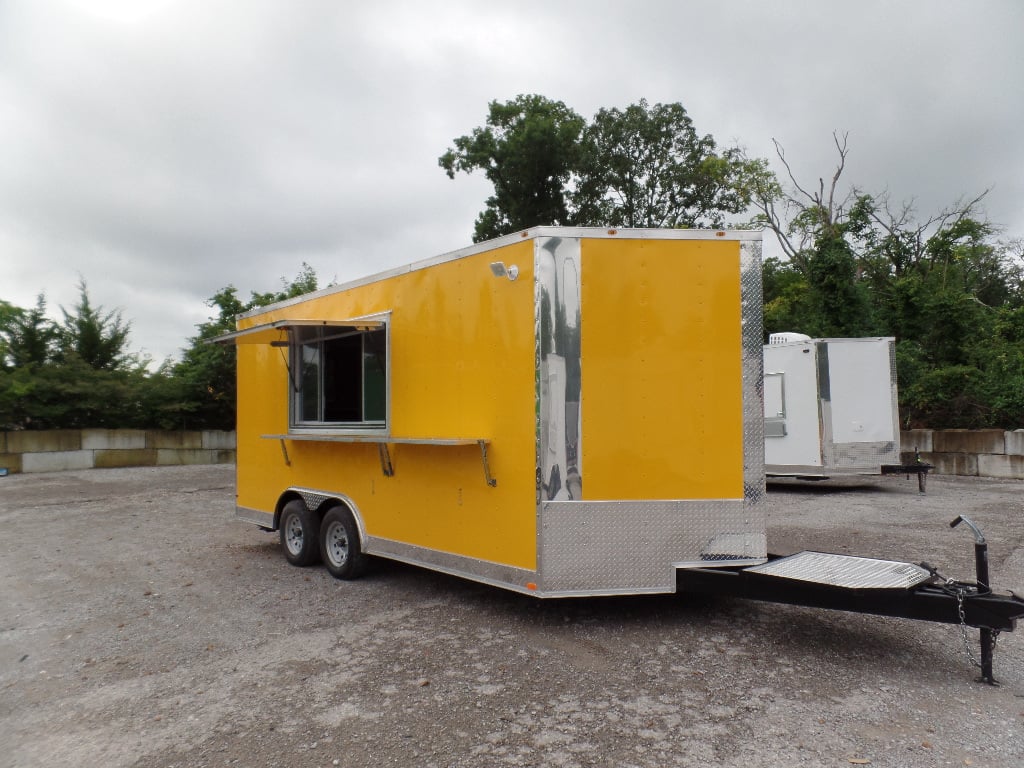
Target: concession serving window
[(339, 384), (338, 370)]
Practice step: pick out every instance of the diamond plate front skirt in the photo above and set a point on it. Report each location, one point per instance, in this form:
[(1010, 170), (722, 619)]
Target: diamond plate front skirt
[(628, 547)]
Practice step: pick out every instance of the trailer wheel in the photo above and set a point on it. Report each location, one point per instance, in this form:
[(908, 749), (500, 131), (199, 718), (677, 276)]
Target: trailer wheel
[(339, 545), (299, 534)]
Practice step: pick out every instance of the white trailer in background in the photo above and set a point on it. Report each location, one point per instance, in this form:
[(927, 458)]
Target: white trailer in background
[(831, 408)]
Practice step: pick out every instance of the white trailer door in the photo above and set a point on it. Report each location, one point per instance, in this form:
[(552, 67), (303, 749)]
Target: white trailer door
[(860, 380), (791, 386)]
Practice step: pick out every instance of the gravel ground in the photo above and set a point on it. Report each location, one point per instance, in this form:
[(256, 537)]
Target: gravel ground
[(140, 625)]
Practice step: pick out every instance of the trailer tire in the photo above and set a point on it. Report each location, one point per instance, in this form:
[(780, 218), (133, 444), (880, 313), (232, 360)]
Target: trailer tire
[(340, 548), (299, 534)]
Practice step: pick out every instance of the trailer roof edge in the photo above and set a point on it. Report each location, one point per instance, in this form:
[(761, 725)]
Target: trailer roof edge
[(741, 235)]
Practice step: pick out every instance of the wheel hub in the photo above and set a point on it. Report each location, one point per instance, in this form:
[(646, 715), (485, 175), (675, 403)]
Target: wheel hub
[(337, 544)]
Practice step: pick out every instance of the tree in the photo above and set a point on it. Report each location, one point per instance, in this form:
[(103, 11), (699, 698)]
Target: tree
[(79, 374), (29, 337), (97, 339), (529, 150), (813, 228), (646, 166), (304, 282), (642, 166), (206, 375), (942, 286), (838, 298), (72, 375), (8, 315), (787, 304)]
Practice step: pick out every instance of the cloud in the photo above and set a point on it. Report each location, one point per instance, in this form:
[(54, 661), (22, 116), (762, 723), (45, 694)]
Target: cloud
[(164, 150)]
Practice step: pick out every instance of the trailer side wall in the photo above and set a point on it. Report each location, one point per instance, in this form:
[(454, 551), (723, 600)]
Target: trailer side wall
[(461, 357)]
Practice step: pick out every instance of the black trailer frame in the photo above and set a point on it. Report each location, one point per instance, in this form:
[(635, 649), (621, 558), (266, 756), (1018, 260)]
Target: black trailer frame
[(917, 467), (936, 599)]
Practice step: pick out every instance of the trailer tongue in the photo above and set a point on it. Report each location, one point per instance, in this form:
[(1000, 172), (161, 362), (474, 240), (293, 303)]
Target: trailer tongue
[(872, 586)]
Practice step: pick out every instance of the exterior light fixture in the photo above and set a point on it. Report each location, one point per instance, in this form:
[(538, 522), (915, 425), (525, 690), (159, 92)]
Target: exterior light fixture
[(499, 269)]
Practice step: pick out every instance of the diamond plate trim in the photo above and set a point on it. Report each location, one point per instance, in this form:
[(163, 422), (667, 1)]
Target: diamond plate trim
[(313, 500), (620, 546), (751, 300), (844, 571)]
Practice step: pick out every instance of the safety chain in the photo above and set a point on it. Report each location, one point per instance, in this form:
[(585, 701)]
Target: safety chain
[(961, 593)]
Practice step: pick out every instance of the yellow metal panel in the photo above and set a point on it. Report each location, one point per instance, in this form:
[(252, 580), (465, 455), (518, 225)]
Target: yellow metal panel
[(662, 408), (262, 409), (462, 366)]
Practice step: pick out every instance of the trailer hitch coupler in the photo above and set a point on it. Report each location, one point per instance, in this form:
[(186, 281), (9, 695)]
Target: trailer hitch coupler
[(979, 537), (980, 550)]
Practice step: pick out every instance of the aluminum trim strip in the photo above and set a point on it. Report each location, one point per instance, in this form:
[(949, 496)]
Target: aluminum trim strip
[(557, 351), (741, 235), (334, 437), (257, 516), (483, 571), (314, 498), (256, 332)]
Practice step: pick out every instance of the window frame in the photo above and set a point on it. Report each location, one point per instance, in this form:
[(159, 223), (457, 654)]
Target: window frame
[(306, 336)]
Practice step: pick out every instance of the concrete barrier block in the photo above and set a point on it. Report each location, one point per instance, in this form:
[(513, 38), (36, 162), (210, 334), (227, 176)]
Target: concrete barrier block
[(136, 457), (56, 461), (916, 439), (1015, 442), (219, 439), (952, 463), (11, 462), (225, 457), (1009, 467), (969, 441), (27, 441), (113, 439), (167, 457), (908, 458), (173, 440)]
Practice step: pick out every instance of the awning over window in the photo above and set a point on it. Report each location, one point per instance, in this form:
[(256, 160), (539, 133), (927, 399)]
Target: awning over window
[(277, 331)]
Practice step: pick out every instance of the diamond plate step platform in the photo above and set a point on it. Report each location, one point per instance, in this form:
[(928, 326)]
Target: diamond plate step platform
[(844, 571)]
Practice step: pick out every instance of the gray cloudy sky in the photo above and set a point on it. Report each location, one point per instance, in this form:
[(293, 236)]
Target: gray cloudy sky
[(162, 150)]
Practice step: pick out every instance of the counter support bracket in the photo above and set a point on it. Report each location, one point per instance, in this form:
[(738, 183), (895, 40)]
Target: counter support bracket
[(487, 467), (385, 460)]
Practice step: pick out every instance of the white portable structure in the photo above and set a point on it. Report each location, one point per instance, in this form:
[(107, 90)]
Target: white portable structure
[(830, 406)]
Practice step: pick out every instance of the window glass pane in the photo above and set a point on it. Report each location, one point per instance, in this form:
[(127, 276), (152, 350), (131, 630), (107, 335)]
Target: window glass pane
[(309, 383), (374, 376)]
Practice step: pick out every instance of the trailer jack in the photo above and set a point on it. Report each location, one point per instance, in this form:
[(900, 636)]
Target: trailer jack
[(876, 587), (988, 636)]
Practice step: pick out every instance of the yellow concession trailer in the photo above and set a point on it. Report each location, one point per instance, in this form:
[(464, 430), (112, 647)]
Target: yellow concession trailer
[(561, 411)]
